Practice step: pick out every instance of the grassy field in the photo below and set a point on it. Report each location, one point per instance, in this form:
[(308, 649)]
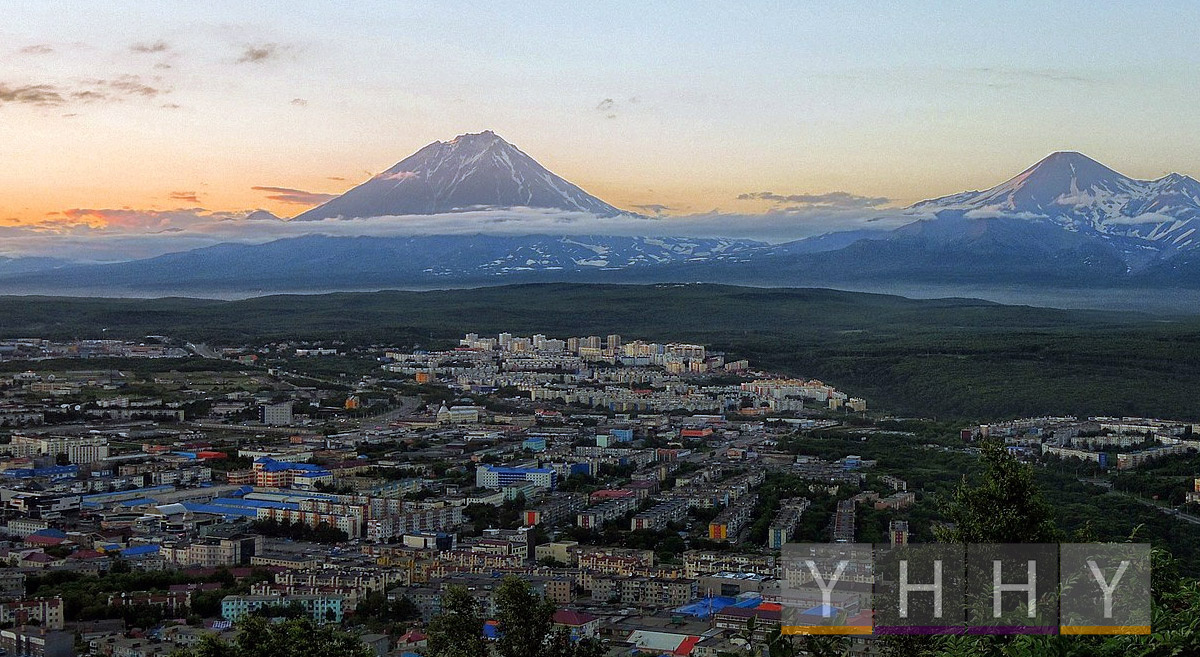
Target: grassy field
[(943, 358)]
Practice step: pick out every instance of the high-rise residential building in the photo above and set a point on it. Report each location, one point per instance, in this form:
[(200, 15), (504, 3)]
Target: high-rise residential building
[(612, 343), (276, 414), (81, 450)]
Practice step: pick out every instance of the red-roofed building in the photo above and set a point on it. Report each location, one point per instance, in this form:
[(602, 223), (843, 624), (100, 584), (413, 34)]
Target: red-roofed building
[(581, 624), (685, 648), (610, 494), (86, 555), (38, 540), (411, 639), (41, 560)]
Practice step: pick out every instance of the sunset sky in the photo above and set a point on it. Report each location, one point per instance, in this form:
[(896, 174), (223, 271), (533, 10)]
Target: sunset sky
[(232, 106)]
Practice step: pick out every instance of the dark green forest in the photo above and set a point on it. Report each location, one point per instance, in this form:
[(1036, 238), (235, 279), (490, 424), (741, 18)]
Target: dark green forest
[(948, 358)]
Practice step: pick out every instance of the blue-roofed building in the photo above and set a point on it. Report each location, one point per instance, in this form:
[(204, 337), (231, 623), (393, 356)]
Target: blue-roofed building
[(706, 607), (490, 476), (50, 532), (53, 472), (283, 474), (101, 499), (254, 504), (228, 512), (279, 495), (140, 552)]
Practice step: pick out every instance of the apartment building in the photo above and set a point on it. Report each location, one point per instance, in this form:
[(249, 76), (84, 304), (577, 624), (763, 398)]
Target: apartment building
[(645, 591), (594, 517), (45, 612), (697, 563), (658, 516), (83, 450), (321, 608)]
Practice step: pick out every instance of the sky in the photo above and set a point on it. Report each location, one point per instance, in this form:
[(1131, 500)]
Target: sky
[(139, 116)]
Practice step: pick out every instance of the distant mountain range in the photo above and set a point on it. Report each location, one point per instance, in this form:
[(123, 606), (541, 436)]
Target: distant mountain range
[(1081, 195), (318, 262), (1068, 221)]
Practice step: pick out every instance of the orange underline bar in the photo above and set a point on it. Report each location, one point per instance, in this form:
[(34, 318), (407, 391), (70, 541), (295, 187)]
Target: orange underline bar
[(825, 629), (1104, 629)]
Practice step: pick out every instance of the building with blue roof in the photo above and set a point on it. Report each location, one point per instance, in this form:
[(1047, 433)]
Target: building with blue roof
[(140, 552), (254, 504), (224, 511), (50, 532), (490, 476), (273, 494), (122, 495), (282, 474), (53, 472)]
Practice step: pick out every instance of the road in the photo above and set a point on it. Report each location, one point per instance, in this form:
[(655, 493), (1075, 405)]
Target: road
[(383, 421), (1170, 511), (204, 351)]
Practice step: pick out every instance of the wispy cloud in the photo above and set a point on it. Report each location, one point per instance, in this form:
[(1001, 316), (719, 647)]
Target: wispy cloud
[(258, 54), (299, 102), (116, 234), (826, 200), (83, 91), (398, 175), (611, 107), (127, 220), (607, 107), (1007, 78), (293, 196), (150, 47), (31, 94), (129, 85), (653, 208), (37, 49), (189, 197)]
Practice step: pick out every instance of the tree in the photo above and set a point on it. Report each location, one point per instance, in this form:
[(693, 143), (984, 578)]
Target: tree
[(525, 619), (258, 637), (1005, 507), (458, 630), (525, 626)]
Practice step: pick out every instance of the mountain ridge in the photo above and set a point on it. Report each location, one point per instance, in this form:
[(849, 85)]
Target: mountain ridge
[(1079, 193), (470, 172), (1067, 221)]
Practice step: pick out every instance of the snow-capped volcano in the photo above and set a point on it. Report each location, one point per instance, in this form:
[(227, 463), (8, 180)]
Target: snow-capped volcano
[(1080, 194), (469, 172)]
